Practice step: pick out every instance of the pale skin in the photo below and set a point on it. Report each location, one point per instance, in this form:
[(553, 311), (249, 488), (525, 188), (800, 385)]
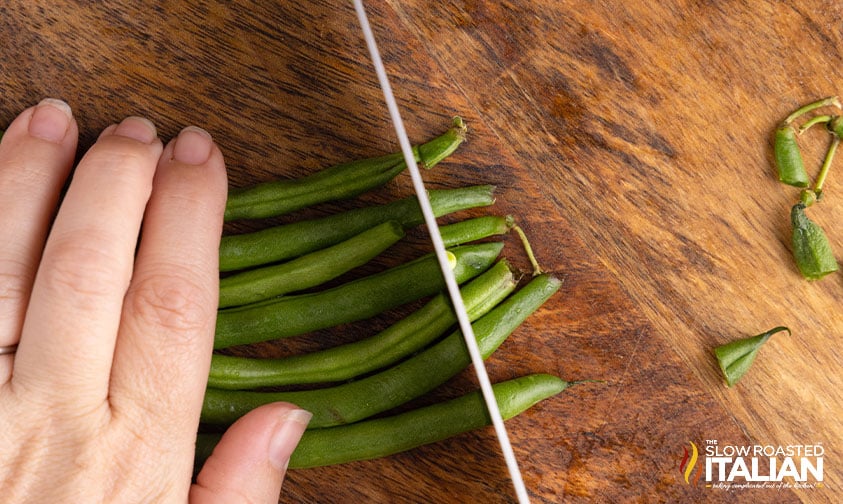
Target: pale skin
[(114, 321)]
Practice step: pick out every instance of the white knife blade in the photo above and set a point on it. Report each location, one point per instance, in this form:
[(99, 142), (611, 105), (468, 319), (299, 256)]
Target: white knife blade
[(439, 247)]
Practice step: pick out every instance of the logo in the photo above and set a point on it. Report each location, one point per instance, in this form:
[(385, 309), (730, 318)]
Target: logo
[(726, 466), (689, 463)]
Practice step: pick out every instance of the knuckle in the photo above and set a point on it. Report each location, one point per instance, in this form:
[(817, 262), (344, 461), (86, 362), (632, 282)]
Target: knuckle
[(173, 302), (15, 284), (119, 152), (80, 266)]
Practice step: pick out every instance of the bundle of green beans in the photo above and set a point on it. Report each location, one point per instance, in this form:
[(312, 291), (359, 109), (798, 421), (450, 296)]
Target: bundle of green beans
[(277, 284)]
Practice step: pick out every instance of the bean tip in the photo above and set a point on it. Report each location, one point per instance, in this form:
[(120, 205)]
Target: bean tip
[(460, 127)]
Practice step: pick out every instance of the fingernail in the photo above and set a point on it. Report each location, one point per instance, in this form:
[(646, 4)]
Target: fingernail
[(286, 437), (193, 146), (137, 128), (50, 120)]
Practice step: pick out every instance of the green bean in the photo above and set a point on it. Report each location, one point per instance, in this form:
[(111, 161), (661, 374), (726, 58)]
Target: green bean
[(294, 239), (811, 248), (475, 229), (359, 399), (381, 437), (344, 362), (736, 357), (788, 157), (308, 270), (786, 151), (355, 300), (338, 182)]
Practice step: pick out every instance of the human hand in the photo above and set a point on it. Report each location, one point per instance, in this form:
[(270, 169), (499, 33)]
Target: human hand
[(114, 323)]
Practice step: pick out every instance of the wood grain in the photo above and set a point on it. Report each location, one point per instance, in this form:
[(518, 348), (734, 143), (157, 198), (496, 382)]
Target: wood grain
[(630, 139)]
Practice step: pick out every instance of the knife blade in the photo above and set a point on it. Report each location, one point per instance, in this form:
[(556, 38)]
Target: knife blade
[(439, 247)]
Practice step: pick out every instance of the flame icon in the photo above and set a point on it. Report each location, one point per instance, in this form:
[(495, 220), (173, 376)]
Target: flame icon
[(689, 462)]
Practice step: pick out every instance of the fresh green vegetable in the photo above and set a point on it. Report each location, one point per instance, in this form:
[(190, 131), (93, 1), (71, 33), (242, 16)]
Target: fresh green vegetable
[(309, 270), (355, 300), (381, 437), (338, 182), (791, 167), (316, 268), (344, 362), (475, 229), (359, 399), (296, 238), (811, 248), (736, 357)]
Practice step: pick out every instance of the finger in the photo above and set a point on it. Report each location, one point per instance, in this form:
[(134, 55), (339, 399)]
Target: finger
[(36, 154), (166, 335), (250, 461), (68, 336)]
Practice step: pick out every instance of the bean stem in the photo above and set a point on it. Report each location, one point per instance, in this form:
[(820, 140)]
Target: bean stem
[(359, 399), (818, 185), (342, 181), (831, 100), (297, 238), (344, 362), (355, 300), (381, 437), (821, 119), (537, 270)]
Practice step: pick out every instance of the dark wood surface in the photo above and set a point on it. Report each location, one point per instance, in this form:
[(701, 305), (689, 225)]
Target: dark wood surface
[(630, 139)]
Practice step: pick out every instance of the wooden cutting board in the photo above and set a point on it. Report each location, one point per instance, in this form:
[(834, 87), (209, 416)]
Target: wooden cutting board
[(630, 139)]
